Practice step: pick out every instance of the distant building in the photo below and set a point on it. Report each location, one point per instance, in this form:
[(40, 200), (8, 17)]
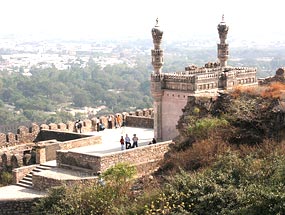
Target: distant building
[(171, 90)]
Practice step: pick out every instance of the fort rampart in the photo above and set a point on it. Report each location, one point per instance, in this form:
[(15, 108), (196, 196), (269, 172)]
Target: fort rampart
[(13, 146)]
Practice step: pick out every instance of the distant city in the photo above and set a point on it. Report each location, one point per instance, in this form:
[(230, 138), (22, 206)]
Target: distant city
[(21, 54)]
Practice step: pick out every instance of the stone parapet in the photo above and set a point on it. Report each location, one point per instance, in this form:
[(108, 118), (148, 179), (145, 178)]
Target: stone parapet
[(20, 173), (44, 181), (139, 121), (28, 135), (141, 156)]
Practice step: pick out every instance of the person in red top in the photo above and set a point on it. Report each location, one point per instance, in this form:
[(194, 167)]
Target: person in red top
[(122, 143)]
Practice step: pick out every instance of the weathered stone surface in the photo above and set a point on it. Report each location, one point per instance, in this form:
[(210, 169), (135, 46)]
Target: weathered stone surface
[(62, 126), (3, 140), (44, 126), (137, 156), (137, 121), (11, 137), (70, 178), (87, 126), (17, 206), (52, 126), (70, 126)]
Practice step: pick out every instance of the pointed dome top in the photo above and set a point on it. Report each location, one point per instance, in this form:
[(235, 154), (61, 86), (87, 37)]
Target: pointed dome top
[(156, 32), (222, 25)]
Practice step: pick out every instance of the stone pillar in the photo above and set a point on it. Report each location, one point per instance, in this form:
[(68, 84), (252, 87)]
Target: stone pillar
[(87, 125), (53, 126), (3, 140), (62, 126), (70, 126), (44, 126), (40, 154)]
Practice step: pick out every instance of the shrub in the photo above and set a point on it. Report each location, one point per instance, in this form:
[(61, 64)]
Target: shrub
[(91, 198), (232, 185), (205, 126), (6, 178)]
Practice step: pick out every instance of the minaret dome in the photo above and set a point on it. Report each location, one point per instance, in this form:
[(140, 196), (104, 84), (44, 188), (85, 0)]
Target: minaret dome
[(157, 52)]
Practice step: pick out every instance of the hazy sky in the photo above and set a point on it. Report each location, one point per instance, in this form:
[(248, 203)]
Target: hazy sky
[(134, 18)]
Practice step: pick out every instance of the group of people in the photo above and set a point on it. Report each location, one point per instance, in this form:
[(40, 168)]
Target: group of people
[(118, 122), (126, 142)]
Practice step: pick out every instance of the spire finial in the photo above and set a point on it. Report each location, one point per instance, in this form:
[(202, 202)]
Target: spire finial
[(156, 21), (223, 17)]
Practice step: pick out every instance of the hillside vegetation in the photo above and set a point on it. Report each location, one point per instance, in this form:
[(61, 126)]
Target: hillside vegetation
[(228, 159)]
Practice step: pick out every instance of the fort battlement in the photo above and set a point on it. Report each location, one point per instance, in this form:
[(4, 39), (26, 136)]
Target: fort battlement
[(28, 134), (13, 146)]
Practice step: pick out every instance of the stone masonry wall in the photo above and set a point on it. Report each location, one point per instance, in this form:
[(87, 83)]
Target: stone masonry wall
[(28, 135), (50, 149), (139, 121), (17, 206), (44, 183), (136, 156)]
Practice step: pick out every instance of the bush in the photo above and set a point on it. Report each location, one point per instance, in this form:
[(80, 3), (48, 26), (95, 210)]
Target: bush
[(205, 126), (91, 198), (6, 178), (232, 185)]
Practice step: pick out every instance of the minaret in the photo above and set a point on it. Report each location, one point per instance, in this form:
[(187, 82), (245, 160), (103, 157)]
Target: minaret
[(156, 85), (223, 47), (157, 53)]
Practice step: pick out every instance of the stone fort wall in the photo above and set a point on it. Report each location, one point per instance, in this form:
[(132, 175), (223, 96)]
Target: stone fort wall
[(17, 206), (12, 146)]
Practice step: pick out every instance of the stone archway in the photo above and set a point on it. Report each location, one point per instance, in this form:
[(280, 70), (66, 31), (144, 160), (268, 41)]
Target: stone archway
[(4, 160), (14, 162)]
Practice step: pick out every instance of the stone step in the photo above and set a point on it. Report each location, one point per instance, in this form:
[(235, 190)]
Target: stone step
[(43, 167), (36, 170), (26, 181), (25, 185), (29, 175)]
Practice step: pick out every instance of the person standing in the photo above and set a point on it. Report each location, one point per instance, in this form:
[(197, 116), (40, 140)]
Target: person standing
[(127, 141), (78, 126), (135, 141), (119, 120), (97, 124), (122, 143), (110, 122)]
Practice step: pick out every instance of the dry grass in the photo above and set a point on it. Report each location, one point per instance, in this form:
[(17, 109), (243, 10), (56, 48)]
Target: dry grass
[(201, 154), (273, 90)]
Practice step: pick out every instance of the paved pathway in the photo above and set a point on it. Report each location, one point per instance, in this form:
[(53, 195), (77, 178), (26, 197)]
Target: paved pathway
[(111, 139), (16, 192), (110, 143)]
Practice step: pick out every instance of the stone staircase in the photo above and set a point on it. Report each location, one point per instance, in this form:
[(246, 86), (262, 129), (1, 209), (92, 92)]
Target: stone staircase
[(27, 181)]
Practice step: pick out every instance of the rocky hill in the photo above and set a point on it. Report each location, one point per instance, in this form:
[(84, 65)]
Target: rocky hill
[(252, 114)]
